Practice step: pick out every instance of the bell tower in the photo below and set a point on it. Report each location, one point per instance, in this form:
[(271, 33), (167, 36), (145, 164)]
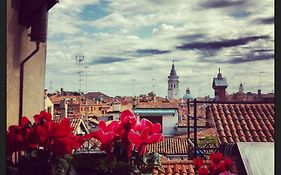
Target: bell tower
[(219, 86), (173, 83)]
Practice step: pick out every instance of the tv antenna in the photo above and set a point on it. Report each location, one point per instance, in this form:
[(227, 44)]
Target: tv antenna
[(133, 87), (86, 78), (79, 60), (260, 78), (51, 86)]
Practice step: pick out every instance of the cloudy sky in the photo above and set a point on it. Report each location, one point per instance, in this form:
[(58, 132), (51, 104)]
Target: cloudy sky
[(128, 46)]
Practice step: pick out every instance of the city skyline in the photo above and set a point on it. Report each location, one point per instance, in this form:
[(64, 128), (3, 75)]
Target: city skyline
[(127, 44)]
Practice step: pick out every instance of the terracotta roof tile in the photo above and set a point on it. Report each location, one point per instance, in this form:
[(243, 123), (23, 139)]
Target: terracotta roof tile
[(221, 133), (249, 139), (226, 128), (175, 167), (238, 127), (202, 133), (227, 133), (251, 127), (236, 139), (243, 139), (230, 140), (234, 134), (170, 146), (244, 122), (232, 127)]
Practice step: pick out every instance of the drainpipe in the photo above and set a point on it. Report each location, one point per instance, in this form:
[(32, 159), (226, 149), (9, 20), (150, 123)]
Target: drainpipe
[(21, 80)]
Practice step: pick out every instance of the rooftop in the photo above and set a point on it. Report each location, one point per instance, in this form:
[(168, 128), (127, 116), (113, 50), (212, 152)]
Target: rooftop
[(170, 146), (243, 122)]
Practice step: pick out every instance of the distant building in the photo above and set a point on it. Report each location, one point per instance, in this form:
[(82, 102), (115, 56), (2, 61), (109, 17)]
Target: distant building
[(48, 104), (165, 113), (98, 96), (116, 109), (173, 84), (241, 88), (187, 95), (91, 108), (250, 96), (219, 86)]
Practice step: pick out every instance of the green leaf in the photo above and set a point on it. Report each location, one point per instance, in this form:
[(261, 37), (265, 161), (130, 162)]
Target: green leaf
[(68, 158), (34, 153)]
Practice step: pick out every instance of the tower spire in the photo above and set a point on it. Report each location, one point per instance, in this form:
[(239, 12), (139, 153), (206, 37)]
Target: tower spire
[(173, 83)]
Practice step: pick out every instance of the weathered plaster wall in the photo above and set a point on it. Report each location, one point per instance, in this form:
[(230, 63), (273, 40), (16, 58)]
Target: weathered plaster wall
[(19, 47)]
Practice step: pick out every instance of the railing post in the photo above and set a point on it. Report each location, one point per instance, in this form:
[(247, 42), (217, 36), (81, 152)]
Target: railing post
[(195, 128), (188, 123)]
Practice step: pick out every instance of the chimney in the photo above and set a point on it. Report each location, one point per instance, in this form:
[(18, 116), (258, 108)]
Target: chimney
[(259, 91), (61, 91), (63, 108)]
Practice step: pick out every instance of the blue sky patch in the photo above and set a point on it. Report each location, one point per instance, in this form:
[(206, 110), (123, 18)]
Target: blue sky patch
[(95, 11)]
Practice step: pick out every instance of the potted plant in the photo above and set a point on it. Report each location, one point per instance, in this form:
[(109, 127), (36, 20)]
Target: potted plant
[(44, 147), (124, 145)]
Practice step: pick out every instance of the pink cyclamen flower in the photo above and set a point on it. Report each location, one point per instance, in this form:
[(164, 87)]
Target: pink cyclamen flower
[(144, 134), (127, 119), (106, 134), (216, 158), (228, 163), (203, 171), (198, 163)]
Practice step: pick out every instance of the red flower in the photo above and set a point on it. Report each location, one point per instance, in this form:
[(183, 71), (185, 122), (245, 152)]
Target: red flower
[(127, 119), (67, 144), (106, 135), (221, 167), (21, 137), (211, 167), (198, 163), (154, 128), (48, 130), (216, 158), (42, 117), (143, 138), (228, 163), (203, 171)]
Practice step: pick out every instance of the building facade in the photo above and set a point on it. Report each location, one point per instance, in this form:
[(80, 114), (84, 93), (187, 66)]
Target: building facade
[(26, 59)]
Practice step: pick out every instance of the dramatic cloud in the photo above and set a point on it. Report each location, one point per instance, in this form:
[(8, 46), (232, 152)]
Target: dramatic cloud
[(250, 58), (108, 60), (216, 45), (144, 52), (269, 20), (221, 3)]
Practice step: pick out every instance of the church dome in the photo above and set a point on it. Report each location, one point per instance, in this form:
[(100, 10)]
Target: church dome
[(187, 95)]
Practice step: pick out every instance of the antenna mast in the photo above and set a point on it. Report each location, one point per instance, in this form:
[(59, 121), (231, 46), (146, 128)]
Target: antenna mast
[(133, 87), (153, 85), (79, 60), (86, 78), (51, 85), (260, 79)]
